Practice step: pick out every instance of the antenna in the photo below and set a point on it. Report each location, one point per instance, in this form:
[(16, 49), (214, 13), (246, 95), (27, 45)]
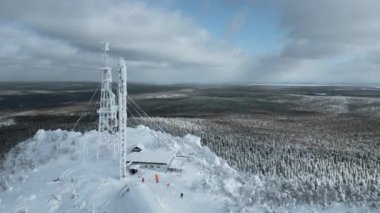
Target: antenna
[(122, 97), (106, 48), (107, 112)]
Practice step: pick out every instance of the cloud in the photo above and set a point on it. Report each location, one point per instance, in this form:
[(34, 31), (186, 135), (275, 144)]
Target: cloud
[(28, 56), (148, 37), (323, 28), (237, 22), (326, 42)]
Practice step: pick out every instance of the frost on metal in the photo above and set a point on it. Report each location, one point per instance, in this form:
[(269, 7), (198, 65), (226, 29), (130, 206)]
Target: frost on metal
[(122, 98), (112, 116), (107, 113)]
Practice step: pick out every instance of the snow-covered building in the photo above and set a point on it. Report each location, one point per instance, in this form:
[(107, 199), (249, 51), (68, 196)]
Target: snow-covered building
[(157, 160)]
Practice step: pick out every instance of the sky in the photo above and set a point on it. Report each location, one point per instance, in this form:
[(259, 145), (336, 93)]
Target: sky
[(198, 41)]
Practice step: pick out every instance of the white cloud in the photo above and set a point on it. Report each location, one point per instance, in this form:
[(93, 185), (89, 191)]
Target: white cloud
[(326, 41), (320, 33), (237, 22), (140, 33)]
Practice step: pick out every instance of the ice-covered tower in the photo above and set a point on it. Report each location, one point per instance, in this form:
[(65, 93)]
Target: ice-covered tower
[(107, 112), (122, 98)]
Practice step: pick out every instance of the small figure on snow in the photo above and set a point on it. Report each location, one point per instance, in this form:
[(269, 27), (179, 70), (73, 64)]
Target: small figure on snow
[(181, 195)]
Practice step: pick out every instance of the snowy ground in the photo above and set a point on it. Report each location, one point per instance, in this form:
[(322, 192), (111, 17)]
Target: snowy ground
[(7, 122), (56, 171)]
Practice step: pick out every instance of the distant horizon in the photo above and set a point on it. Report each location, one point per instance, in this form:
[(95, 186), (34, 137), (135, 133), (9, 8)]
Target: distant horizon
[(211, 84)]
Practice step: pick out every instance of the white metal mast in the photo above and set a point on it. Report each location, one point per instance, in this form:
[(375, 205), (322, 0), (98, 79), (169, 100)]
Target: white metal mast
[(122, 98), (107, 112)]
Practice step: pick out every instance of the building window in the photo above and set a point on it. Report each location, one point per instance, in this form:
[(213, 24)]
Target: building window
[(158, 166), (151, 166)]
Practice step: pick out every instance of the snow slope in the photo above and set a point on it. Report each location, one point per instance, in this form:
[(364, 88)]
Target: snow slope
[(57, 171)]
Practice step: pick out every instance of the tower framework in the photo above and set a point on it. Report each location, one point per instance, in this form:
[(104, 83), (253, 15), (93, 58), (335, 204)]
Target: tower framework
[(107, 112)]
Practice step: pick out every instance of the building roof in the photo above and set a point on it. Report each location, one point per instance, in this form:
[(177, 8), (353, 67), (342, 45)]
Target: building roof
[(136, 149), (138, 145), (156, 157)]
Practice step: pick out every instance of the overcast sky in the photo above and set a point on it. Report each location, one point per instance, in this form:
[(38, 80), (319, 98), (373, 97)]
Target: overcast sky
[(199, 41)]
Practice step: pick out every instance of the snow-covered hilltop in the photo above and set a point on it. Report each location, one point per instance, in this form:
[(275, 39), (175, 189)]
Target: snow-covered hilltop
[(55, 171), (120, 169)]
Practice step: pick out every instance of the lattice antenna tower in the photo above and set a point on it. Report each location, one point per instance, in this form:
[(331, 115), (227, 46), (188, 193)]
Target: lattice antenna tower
[(122, 98), (107, 112)]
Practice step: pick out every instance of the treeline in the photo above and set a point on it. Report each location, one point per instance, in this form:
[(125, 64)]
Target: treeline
[(26, 126)]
